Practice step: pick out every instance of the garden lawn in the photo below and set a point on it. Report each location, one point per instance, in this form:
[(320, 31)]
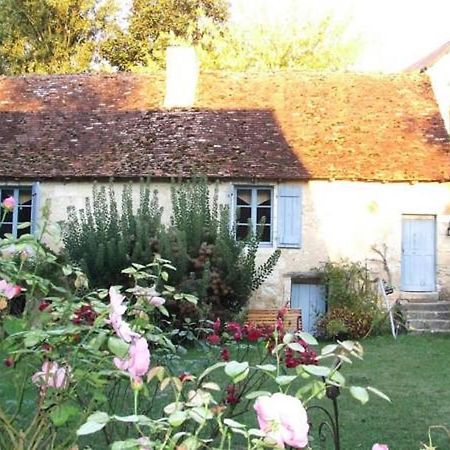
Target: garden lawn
[(414, 371)]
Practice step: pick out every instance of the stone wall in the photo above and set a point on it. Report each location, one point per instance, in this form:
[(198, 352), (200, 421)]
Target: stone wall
[(340, 219)]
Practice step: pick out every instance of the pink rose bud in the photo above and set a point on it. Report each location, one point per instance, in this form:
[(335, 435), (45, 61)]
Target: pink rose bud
[(9, 203), (157, 301), (380, 447)]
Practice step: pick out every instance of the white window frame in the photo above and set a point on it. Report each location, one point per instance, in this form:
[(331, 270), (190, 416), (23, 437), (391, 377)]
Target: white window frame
[(254, 189)]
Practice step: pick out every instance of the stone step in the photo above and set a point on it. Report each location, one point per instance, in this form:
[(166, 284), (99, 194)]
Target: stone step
[(426, 306), (427, 315), (430, 325), (423, 331), (419, 297)]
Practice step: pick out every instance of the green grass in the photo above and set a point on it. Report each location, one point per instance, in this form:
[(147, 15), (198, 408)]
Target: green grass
[(414, 371)]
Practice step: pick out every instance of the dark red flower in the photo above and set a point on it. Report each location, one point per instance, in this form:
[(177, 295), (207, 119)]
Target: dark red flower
[(9, 361), (235, 329), (46, 347), (213, 339), (216, 326), (44, 305), (232, 395), (253, 333), (225, 354), (185, 376), (84, 315)]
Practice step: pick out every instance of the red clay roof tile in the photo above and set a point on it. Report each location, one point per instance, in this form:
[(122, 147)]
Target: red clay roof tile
[(286, 125)]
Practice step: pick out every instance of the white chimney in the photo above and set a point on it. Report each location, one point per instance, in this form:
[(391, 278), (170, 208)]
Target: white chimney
[(182, 71)]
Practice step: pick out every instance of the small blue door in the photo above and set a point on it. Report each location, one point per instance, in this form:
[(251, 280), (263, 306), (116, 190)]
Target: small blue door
[(311, 300), (418, 254)]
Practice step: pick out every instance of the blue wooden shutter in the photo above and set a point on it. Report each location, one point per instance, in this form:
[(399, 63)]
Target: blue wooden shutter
[(35, 207), (289, 216)]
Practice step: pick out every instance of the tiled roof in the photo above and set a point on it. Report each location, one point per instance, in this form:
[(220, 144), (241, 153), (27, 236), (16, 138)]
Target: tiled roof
[(285, 125)]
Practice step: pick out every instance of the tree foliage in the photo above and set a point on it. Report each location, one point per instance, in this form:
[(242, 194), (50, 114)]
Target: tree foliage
[(153, 25), (51, 36)]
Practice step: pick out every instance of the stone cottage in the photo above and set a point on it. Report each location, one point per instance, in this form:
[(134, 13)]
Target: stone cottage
[(337, 163)]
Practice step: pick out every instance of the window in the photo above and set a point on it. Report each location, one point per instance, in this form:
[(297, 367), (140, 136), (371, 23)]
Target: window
[(254, 212), (23, 211)]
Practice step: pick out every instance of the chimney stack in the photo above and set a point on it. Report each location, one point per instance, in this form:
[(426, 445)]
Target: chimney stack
[(182, 69)]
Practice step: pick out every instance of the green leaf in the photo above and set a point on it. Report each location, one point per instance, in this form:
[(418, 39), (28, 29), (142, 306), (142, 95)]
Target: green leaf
[(33, 338), (379, 393), (282, 380), (118, 347), (89, 428), (23, 225), (236, 370), (200, 414), (256, 394), (318, 371), (267, 367), (62, 413), (233, 424), (13, 325), (328, 349), (360, 394), (129, 270), (191, 298), (208, 370), (296, 347), (98, 416), (177, 418), (129, 444), (308, 338)]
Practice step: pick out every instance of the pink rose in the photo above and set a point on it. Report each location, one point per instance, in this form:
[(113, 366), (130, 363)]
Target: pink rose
[(138, 361), (157, 301), (116, 309), (380, 447), (52, 376), (9, 290), (9, 203), (283, 418)]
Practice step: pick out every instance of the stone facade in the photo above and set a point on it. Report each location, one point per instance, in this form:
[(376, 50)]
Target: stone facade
[(340, 219)]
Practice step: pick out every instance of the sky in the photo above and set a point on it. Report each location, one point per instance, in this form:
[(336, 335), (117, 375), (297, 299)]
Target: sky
[(395, 33)]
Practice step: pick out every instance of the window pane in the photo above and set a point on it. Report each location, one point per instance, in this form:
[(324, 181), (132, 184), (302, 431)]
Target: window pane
[(244, 214), (244, 196), (265, 236), (5, 228), (26, 230), (242, 232), (263, 213), (8, 216), (25, 197), (7, 193), (264, 197), (24, 214)]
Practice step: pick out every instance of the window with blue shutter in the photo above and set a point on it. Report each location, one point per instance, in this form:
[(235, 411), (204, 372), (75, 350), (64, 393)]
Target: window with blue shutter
[(253, 209), (289, 216), (23, 218)]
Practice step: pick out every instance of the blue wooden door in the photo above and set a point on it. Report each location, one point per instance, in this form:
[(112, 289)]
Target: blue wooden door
[(311, 300), (418, 254)]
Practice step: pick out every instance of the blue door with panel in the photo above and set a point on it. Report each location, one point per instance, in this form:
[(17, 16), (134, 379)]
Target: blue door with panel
[(310, 299), (418, 253)]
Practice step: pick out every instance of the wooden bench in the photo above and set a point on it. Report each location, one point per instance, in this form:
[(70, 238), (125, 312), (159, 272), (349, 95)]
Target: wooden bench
[(292, 318)]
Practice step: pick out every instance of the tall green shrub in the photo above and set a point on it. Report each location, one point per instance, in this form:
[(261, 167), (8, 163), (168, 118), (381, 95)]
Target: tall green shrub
[(219, 269), (104, 240)]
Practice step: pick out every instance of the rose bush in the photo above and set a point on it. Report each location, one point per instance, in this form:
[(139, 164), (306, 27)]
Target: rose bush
[(94, 369)]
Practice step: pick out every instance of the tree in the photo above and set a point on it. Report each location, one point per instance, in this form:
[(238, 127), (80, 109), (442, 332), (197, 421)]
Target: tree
[(289, 45), (154, 24), (51, 36)]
